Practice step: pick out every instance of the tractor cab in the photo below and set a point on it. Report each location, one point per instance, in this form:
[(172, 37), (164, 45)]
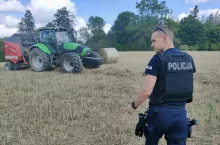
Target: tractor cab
[(54, 38)]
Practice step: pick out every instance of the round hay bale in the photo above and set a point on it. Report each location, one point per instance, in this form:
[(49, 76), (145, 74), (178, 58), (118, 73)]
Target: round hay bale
[(110, 55)]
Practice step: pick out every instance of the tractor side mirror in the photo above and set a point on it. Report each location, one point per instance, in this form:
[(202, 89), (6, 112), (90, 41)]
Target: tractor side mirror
[(35, 39)]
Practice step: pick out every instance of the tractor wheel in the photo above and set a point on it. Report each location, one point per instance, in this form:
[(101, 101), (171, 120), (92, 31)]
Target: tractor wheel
[(95, 55), (8, 65), (16, 66), (39, 60), (71, 63)]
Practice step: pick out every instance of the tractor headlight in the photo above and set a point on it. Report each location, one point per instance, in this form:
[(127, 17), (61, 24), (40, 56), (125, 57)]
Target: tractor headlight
[(87, 53)]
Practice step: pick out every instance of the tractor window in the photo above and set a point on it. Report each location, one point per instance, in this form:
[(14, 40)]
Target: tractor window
[(62, 36), (47, 36)]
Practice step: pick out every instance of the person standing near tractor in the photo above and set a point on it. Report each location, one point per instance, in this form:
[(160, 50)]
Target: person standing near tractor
[(169, 86)]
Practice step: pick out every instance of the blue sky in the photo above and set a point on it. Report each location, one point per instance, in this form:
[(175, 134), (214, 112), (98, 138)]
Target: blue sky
[(109, 10), (11, 11)]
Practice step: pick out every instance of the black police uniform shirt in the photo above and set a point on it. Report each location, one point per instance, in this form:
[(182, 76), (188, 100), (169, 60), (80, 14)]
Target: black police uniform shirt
[(152, 69)]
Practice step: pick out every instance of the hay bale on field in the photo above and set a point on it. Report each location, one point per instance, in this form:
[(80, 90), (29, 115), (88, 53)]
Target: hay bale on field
[(110, 55)]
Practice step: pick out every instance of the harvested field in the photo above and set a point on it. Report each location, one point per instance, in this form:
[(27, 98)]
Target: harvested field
[(53, 108)]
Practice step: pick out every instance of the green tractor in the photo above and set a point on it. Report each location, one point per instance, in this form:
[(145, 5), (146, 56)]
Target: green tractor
[(55, 47)]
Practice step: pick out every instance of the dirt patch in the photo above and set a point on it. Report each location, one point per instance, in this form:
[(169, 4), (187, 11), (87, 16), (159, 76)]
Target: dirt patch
[(203, 79)]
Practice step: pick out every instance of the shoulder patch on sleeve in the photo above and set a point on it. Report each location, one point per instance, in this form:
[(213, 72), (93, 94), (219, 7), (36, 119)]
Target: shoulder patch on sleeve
[(149, 67)]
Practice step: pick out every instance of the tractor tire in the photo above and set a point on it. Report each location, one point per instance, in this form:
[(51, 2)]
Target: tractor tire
[(17, 66), (95, 55), (71, 63), (8, 65), (39, 61)]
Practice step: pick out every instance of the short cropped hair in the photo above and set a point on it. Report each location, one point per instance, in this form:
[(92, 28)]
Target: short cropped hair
[(166, 29)]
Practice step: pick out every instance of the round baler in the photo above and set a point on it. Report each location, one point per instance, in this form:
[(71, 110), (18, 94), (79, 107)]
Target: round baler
[(14, 50)]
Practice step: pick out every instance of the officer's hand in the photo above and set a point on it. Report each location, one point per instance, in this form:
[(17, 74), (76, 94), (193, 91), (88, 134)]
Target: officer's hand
[(130, 109)]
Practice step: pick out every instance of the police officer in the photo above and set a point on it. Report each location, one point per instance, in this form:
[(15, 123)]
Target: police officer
[(169, 86)]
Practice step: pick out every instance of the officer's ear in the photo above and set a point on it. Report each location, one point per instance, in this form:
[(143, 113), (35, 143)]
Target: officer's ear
[(166, 38)]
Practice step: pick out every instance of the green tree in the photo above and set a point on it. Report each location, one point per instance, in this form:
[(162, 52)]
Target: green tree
[(83, 35), (154, 9), (124, 27), (194, 12), (191, 30), (213, 34), (212, 20), (96, 24), (1, 51), (50, 25), (27, 24), (151, 13), (144, 31), (213, 37), (63, 18), (217, 18), (214, 47), (95, 35)]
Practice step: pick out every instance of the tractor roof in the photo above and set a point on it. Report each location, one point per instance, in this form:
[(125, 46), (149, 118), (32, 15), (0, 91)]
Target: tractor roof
[(23, 34), (64, 29)]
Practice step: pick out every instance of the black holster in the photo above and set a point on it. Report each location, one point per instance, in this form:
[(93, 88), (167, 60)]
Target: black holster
[(141, 125), (191, 123)]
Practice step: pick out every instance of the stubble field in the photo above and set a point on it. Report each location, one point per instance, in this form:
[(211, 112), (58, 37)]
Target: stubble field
[(53, 108)]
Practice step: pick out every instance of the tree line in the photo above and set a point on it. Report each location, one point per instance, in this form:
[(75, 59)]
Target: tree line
[(132, 32)]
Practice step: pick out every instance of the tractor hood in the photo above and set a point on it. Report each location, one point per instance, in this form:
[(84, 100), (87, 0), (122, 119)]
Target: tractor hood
[(80, 49)]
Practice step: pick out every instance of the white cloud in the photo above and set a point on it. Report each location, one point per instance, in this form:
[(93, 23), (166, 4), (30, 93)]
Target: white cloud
[(2, 19), (197, 1), (201, 13), (4, 31), (11, 21), (207, 12), (80, 22), (43, 11), (107, 27), (181, 16), (11, 6)]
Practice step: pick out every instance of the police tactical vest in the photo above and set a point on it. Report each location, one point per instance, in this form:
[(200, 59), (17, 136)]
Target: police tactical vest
[(175, 79)]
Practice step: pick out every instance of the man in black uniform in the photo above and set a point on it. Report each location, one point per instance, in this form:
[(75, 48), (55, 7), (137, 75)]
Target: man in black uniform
[(169, 86)]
